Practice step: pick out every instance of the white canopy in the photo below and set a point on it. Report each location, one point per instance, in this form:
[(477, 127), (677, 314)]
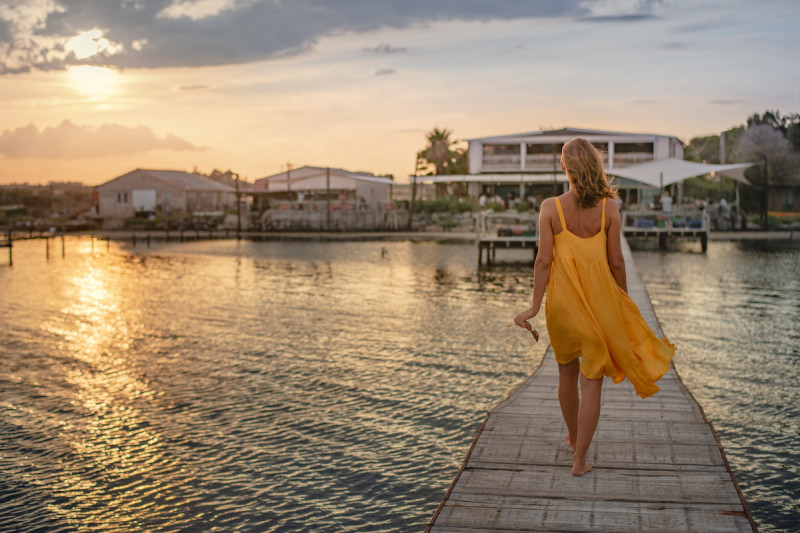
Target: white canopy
[(506, 179), (668, 171)]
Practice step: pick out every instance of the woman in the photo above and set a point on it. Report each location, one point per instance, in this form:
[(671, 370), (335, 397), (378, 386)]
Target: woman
[(595, 328)]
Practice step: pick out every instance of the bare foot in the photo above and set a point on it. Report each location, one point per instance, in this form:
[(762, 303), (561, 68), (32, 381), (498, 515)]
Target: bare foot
[(569, 444), (579, 470)]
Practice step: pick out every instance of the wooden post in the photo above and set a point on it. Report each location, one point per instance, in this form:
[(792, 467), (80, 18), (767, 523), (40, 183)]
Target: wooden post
[(47, 247), (10, 245), (328, 196), (133, 238), (108, 243), (62, 246), (148, 239)]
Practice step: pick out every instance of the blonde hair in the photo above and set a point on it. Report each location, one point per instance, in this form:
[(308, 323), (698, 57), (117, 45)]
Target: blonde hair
[(585, 168)]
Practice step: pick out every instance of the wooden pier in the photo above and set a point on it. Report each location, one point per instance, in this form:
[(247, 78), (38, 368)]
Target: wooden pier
[(507, 230), (681, 223), (658, 464)]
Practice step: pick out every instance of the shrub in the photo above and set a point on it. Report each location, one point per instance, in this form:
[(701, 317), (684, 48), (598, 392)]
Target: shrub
[(443, 205), (497, 207), (522, 207)]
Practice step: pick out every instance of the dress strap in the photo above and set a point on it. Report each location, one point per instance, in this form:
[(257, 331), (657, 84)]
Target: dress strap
[(603, 217), (561, 214)]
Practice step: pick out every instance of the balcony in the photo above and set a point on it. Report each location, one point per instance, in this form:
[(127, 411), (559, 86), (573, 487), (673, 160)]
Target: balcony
[(548, 162), (626, 160)]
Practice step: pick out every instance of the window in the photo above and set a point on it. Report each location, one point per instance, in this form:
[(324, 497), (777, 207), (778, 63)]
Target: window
[(122, 197), (544, 149), (500, 149), (633, 148)]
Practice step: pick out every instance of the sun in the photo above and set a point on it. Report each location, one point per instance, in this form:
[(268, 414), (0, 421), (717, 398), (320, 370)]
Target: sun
[(95, 82)]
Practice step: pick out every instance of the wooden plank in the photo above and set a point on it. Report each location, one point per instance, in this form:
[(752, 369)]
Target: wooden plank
[(658, 464), (540, 514)]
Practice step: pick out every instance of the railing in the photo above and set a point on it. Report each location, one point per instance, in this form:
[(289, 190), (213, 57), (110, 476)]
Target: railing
[(501, 162), (624, 160), (343, 216), (507, 225), (545, 162)]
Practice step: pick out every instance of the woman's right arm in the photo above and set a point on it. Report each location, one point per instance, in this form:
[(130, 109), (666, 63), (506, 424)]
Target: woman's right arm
[(616, 262)]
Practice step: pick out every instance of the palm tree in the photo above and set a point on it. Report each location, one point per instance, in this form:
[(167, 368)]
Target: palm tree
[(438, 152)]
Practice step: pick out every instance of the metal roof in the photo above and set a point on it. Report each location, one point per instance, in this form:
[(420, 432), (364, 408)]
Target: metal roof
[(186, 181)]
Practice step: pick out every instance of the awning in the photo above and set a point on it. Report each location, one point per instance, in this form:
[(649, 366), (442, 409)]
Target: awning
[(668, 171), (506, 179)]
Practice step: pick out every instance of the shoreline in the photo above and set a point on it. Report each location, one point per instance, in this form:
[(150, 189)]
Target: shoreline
[(455, 237), (414, 236)]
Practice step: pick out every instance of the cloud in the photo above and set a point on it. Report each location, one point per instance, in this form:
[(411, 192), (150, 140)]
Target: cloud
[(674, 46), (193, 87), (728, 101), (70, 141), (183, 33), (386, 49), (383, 72), (637, 17)]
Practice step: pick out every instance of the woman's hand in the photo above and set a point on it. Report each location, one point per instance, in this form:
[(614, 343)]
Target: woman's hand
[(522, 319)]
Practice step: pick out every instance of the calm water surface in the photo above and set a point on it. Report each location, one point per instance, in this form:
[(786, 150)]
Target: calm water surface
[(224, 386)]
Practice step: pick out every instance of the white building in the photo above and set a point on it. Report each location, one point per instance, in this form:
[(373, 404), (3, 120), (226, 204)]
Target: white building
[(144, 191), (320, 182), (528, 164)]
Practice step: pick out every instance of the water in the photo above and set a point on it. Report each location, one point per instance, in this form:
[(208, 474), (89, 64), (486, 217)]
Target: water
[(245, 386), (734, 315)]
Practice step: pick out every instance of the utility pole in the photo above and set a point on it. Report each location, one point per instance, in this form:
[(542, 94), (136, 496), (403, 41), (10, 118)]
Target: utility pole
[(413, 194), (766, 193), (238, 209)]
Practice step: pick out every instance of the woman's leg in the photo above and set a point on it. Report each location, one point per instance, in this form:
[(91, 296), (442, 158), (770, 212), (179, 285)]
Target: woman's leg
[(569, 399), (588, 415)]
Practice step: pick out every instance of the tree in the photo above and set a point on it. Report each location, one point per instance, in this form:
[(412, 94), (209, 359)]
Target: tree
[(764, 142), (441, 152)]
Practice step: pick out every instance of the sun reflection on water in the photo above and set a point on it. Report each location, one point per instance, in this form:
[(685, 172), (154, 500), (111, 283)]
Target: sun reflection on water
[(112, 436)]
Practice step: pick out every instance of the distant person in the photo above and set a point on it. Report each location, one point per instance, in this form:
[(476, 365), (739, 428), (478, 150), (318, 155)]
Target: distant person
[(666, 202), (595, 328), (482, 200)]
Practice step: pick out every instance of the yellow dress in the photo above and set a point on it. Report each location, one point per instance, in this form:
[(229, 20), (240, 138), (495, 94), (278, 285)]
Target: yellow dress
[(590, 316)]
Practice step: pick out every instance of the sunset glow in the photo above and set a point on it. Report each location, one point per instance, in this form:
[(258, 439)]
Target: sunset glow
[(95, 82), (250, 86)]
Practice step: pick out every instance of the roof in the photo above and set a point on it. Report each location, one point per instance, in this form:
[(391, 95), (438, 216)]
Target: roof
[(279, 181), (671, 170), (569, 132), (186, 181)]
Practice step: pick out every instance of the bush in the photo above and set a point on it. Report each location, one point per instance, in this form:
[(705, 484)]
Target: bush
[(522, 207), (443, 205), (497, 207), (446, 224)]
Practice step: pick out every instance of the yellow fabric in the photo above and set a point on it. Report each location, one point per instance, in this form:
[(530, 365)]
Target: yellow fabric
[(591, 317)]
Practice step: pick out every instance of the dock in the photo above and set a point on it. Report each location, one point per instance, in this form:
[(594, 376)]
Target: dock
[(658, 463), (680, 223), (505, 230)]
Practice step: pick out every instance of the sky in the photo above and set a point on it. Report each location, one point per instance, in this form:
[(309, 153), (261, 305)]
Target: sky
[(91, 89)]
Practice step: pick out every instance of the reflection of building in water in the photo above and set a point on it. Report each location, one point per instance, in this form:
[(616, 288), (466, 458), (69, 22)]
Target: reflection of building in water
[(150, 191), (528, 164)]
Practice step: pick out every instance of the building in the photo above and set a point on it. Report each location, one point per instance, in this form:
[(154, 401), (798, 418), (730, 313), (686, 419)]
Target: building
[(320, 183), (540, 151), (528, 164), (144, 192)]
